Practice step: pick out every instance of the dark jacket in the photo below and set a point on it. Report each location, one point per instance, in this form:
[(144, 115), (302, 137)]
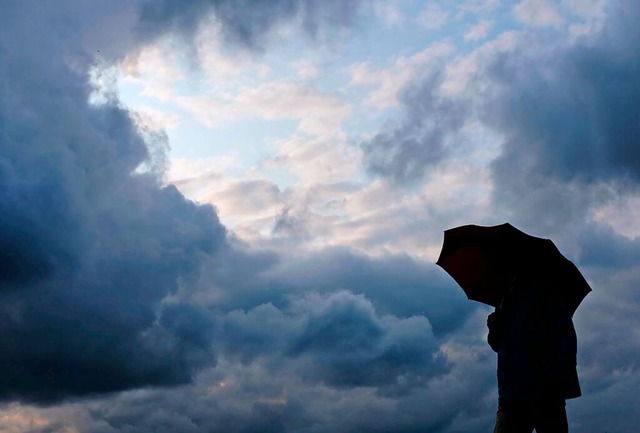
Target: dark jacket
[(535, 340)]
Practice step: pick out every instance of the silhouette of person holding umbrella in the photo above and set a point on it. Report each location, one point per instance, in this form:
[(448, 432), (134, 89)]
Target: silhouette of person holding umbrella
[(535, 291), (536, 345)]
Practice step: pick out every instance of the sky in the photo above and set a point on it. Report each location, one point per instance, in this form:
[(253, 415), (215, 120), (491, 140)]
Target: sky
[(223, 215)]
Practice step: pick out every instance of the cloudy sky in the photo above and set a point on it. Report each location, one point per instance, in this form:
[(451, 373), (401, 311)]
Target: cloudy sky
[(223, 215)]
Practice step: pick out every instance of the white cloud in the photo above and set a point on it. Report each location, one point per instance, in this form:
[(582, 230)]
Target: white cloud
[(317, 159), (362, 74), (538, 13), (221, 67), (330, 209), (156, 119), (592, 13), (250, 206), (305, 69), (478, 7), (432, 17), (388, 82), (463, 71), (376, 218), (388, 11), (155, 68), (316, 110), (586, 8), (479, 31), (318, 113), (246, 206)]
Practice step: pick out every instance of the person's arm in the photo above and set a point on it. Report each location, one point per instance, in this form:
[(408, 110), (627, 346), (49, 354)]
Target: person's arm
[(495, 334)]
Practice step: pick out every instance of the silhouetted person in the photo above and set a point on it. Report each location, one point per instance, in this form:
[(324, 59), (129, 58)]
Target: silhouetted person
[(533, 335)]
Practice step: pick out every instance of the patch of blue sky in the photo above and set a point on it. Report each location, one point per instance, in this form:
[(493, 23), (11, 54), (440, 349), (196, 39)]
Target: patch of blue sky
[(280, 176), (248, 140)]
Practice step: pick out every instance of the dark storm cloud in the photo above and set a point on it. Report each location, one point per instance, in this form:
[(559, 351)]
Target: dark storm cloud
[(337, 339), (572, 113), (600, 246), (568, 113), (320, 362), (608, 328), (397, 285), (334, 317), (569, 117), (349, 346), (246, 22), (89, 248), (346, 320), (608, 322), (242, 278), (291, 224), (424, 137)]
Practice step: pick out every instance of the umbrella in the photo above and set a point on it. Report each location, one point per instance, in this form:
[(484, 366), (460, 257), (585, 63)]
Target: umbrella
[(483, 260)]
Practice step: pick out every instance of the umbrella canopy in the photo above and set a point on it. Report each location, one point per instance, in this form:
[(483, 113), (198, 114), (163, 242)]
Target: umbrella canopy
[(483, 260)]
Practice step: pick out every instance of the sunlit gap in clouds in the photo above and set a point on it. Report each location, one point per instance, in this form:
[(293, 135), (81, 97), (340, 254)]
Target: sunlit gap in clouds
[(267, 124), (200, 118)]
